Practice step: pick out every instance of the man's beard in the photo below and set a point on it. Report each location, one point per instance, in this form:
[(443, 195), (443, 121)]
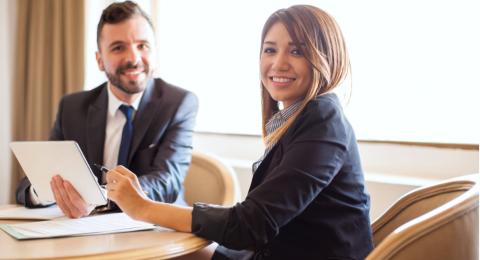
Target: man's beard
[(130, 86)]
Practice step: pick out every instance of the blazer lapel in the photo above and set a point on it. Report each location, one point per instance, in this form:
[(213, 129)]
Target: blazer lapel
[(144, 116), (265, 165), (96, 122)]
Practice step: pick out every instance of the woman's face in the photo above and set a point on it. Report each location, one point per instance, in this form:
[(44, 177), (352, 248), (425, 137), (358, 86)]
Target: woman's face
[(285, 72)]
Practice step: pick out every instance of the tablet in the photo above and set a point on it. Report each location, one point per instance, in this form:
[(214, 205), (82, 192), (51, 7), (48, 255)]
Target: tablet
[(42, 160)]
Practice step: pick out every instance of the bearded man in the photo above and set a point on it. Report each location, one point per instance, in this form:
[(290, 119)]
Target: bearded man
[(134, 120)]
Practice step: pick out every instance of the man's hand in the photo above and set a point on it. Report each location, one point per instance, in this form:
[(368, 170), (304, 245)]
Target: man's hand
[(68, 199), (124, 189)]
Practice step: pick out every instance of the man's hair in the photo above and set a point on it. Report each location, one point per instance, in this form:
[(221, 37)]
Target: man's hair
[(119, 12)]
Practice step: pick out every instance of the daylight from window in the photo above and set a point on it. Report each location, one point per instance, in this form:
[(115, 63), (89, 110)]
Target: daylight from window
[(414, 63)]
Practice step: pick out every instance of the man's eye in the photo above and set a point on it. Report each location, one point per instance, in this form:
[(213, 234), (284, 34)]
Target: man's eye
[(143, 46), (117, 48)]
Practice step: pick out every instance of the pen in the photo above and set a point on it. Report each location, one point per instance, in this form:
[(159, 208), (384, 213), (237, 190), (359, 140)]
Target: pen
[(104, 171), (101, 168)]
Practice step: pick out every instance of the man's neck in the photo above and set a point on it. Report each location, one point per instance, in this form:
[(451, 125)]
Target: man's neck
[(122, 96)]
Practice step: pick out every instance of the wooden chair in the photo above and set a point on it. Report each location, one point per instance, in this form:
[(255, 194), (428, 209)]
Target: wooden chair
[(210, 180), (434, 222)]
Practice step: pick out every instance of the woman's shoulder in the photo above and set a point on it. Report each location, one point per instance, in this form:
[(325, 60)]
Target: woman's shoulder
[(326, 103), (322, 118), (324, 108)]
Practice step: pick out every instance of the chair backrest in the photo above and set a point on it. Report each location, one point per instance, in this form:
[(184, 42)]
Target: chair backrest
[(419, 202), (435, 222), (210, 180)]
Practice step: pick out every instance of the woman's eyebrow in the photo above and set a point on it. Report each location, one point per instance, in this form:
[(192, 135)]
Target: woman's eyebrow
[(270, 42)]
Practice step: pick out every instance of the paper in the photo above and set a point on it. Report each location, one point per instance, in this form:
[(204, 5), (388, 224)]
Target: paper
[(101, 224), (38, 214)]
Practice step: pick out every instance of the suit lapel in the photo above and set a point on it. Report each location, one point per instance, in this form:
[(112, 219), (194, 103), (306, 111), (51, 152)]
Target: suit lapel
[(144, 116), (96, 122)]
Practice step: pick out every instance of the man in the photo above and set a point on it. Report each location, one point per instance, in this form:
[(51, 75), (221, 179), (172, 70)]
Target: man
[(133, 120)]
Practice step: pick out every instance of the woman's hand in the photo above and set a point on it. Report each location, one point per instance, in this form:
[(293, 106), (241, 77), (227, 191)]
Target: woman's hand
[(124, 189)]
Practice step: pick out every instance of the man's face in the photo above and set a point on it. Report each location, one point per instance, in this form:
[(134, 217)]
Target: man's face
[(126, 50)]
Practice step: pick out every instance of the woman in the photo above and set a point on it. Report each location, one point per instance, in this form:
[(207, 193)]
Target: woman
[(307, 199)]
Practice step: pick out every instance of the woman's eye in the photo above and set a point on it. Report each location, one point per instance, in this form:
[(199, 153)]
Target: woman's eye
[(297, 52), (269, 50)]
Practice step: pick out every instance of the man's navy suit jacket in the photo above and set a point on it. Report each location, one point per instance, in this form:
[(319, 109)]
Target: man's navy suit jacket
[(160, 152)]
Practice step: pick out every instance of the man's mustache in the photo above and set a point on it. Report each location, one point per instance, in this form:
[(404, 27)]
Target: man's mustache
[(130, 65)]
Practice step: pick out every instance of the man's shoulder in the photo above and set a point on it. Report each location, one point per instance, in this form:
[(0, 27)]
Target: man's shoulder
[(85, 94), (164, 87), (174, 97), (83, 99), (172, 93)]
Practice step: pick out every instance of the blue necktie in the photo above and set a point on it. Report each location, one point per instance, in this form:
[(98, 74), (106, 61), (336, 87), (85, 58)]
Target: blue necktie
[(126, 135)]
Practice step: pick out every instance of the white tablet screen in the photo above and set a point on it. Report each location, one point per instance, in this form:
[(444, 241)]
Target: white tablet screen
[(45, 159)]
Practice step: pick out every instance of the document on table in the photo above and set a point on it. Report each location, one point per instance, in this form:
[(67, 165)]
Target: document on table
[(94, 225), (34, 214)]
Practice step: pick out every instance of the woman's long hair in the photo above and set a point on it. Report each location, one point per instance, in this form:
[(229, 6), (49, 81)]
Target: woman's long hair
[(319, 37)]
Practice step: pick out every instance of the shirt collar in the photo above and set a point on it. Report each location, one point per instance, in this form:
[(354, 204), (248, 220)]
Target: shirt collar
[(289, 111), (279, 118), (114, 103)]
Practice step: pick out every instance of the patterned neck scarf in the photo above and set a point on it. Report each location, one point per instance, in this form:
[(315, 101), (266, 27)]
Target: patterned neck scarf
[(275, 122)]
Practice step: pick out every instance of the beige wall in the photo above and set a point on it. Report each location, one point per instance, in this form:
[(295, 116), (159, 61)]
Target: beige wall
[(6, 49)]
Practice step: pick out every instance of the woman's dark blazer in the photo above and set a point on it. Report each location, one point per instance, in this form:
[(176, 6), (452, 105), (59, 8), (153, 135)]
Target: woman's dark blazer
[(307, 199)]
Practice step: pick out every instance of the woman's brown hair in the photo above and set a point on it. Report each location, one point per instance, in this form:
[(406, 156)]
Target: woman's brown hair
[(319, 37)]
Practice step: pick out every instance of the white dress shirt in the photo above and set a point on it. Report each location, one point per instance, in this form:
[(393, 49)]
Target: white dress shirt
[(113, 135), (114, 128)]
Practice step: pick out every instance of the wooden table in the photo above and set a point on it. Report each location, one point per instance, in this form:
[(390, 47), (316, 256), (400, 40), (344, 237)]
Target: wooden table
[(133, 245)]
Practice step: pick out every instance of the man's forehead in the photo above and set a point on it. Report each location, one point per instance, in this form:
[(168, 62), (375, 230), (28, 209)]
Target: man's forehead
[(135, 28)]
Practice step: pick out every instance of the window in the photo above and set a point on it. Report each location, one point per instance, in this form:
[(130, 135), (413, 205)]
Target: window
[(414, 63)]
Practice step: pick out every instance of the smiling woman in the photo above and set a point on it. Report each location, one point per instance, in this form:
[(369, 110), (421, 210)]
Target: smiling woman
[(284, 70), (309, 182)]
